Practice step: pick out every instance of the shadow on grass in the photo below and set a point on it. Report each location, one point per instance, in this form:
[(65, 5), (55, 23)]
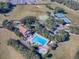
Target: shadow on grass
[(24, 50)]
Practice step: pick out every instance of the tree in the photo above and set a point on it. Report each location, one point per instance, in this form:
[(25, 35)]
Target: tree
[(74, 29), (59, 10), (64, 35), (48, 6), (5, 7), (50, 23), (61, 21)]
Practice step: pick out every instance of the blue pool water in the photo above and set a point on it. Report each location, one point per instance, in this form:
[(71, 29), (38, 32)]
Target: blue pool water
[(39, 39)]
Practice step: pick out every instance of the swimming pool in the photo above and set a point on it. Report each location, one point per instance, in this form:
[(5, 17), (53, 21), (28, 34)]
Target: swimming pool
[(40, 40)]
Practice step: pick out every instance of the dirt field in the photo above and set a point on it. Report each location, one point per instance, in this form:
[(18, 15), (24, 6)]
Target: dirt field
[(73, 15), (23, 10), (32, 10), (7, 52), (66, 50)]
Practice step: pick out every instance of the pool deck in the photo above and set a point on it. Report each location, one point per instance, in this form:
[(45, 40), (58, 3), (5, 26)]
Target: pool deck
[(40, 39)]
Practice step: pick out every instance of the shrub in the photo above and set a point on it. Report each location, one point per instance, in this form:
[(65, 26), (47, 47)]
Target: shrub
[(62, 36), (5, 7), (28, 54), (74, 29), (60, 21), (59, 10), (48, 6)]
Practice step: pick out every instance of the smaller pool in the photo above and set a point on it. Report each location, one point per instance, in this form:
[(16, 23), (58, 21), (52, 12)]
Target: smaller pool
[(40, 40)]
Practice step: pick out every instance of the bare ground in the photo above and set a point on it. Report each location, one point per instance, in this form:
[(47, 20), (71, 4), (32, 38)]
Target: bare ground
[(7, 52), (66, 50), (73, 15), (21, 11)]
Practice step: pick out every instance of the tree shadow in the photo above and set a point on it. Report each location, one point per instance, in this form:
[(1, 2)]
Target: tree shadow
[(9, 8)]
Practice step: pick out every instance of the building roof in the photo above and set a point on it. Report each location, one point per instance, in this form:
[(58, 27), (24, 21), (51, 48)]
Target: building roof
[(38, 40), (61, 16), (22, 29), (66, 20)]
